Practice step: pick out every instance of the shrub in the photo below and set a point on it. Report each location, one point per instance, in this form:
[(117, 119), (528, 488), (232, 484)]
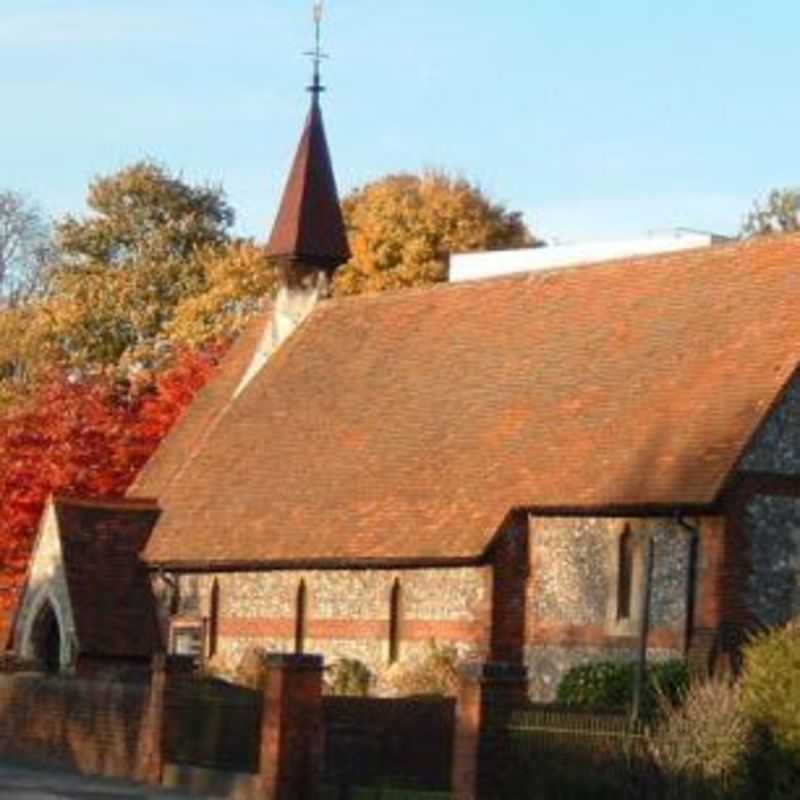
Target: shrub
[(771, 686), (251, 671), (609, 684), (706, 740), (348, 676), (436, 673)]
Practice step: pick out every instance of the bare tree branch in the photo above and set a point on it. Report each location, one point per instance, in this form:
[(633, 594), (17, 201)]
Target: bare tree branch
[(26, 249)]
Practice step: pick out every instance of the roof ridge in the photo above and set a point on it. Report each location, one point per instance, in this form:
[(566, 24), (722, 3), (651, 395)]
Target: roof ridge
[(403, 427), (119, 503), (536, 275)]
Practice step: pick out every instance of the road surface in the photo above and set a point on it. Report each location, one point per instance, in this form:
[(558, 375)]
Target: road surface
[(30, 783)]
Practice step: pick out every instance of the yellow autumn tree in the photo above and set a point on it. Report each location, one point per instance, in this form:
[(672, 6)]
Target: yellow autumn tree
[(153, 263), (115, 278), (403, 227), (125, 267), (26, 349), (239, 280)]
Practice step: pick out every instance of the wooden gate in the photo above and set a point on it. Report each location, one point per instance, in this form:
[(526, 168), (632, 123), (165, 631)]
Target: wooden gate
[(212, 724)]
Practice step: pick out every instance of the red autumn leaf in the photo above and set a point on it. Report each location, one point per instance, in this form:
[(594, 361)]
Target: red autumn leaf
[(87, 438)]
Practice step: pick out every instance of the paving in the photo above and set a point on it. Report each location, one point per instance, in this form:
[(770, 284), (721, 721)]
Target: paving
[(39, 783)]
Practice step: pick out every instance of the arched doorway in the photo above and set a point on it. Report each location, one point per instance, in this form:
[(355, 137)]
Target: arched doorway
[(46, 638)]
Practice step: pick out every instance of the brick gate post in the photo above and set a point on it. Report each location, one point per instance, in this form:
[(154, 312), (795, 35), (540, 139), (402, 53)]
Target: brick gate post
[(483, 707), (149, 767), (292, 730)]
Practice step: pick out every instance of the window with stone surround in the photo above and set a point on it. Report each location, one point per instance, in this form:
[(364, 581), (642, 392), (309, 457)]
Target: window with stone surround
[(301, 603), (186, 638), (625, 573)]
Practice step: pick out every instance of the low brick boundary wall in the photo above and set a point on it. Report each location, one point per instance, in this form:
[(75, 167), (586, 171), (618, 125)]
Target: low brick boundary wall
[(89, 726)]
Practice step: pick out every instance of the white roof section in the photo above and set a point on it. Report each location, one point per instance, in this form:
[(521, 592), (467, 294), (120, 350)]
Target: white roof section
[(472, 266)]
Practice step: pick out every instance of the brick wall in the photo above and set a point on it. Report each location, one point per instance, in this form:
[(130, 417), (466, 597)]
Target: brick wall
[(347, 612), (90, 726), (750, 558), (510, 573)]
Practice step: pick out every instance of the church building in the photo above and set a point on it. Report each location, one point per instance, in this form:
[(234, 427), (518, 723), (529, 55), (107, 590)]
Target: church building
[(484, 465)]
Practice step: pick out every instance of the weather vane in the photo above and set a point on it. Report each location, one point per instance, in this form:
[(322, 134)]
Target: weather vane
[(316, 54)]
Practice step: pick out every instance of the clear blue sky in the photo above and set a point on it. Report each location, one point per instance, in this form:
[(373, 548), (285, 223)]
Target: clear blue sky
[(596, 119)]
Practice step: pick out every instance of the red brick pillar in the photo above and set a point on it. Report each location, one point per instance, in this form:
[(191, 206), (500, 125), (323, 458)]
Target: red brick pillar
[(150, 751), (292, 732), (483, 707), (710, 610)]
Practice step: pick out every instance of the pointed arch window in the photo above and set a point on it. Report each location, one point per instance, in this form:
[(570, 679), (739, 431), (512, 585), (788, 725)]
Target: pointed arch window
[(625, 574), (213, 619), (395, 612), (301, 608)]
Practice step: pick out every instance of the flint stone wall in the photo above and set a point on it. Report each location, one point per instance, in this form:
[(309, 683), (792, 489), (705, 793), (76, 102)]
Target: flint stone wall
[(574, 570), (776, 448), (772, 526), (347, 611), (572, 594)]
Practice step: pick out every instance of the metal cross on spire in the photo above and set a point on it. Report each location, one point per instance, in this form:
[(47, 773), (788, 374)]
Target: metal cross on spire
[(316, 54)]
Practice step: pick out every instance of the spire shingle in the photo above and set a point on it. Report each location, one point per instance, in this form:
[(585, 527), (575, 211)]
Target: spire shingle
[(309, 229)]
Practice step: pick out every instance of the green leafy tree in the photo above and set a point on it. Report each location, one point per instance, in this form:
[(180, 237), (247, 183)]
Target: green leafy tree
[(402, 228), (779, 214), (144, 213), (126, 267)]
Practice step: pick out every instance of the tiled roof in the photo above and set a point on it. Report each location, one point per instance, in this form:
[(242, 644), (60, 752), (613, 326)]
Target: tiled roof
[(309, 225), (112, 603), (405, 426), (201, 416)]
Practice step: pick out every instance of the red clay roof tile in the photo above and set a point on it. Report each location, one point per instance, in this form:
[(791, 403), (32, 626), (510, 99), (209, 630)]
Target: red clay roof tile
[(405, 426), (196, 422)]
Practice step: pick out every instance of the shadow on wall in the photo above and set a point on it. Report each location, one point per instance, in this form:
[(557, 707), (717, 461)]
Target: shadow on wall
[(578, 600), (89, 726)]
